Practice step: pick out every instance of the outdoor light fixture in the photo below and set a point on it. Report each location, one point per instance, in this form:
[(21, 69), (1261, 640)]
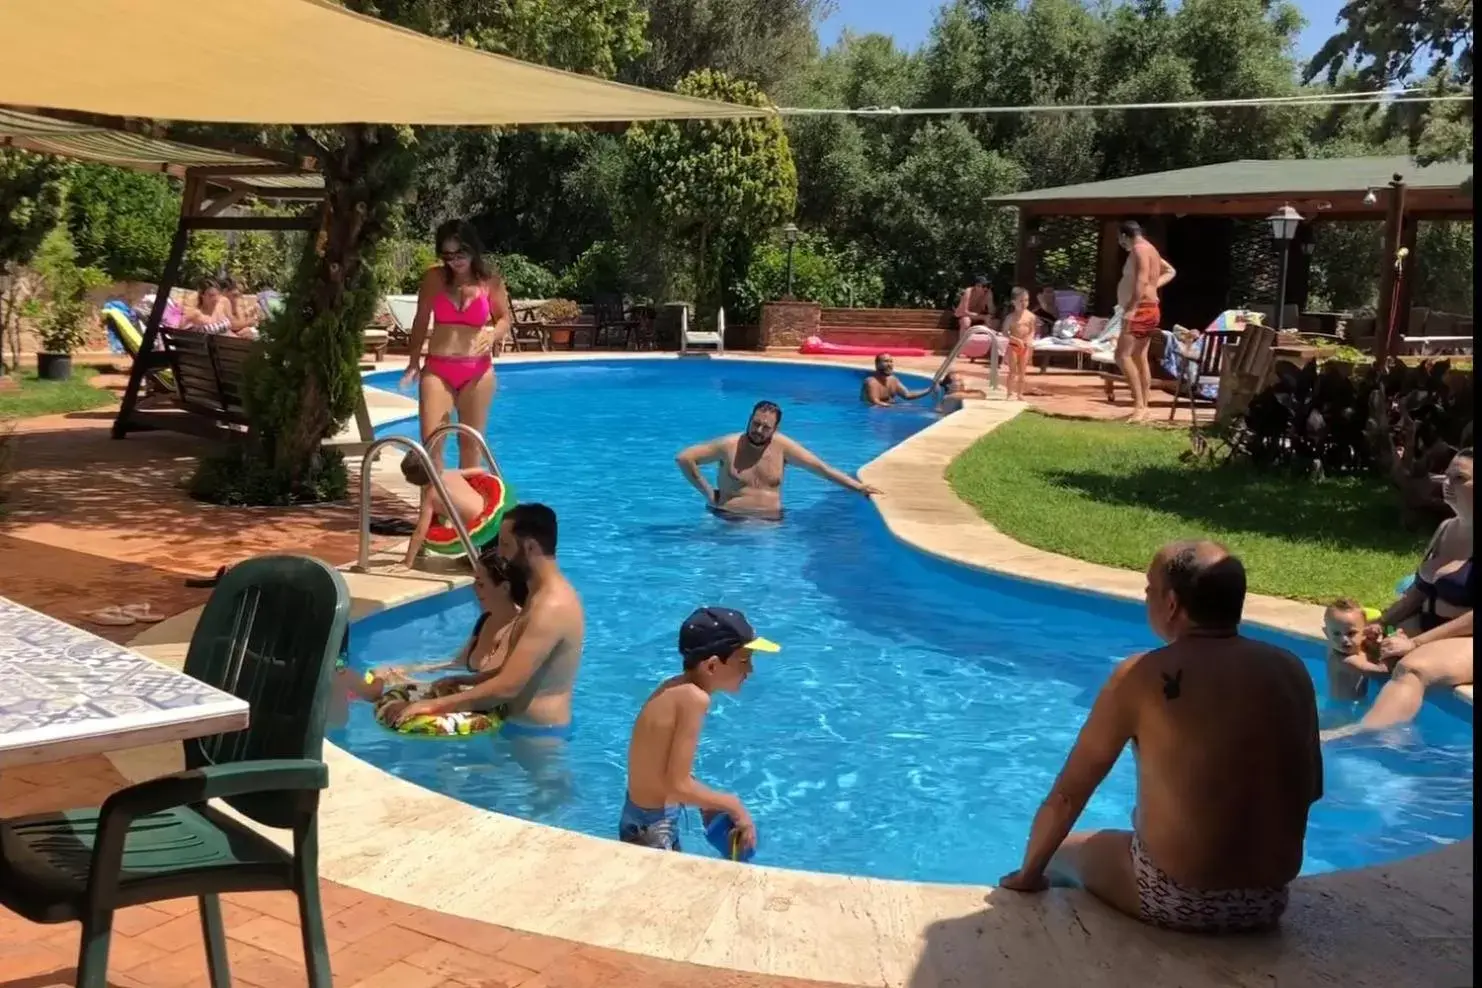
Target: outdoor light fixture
[(790, 233), (1284, 223)]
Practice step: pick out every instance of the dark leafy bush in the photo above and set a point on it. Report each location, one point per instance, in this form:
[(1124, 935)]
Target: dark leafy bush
[(65, 321), (524, 278), (1346, 419), (601, 269), (399, 264), (241, 475), (821, 272)]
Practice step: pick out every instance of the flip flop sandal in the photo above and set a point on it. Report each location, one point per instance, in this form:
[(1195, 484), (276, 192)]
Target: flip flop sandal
[(142, 613), (391, 526), (110, 617)]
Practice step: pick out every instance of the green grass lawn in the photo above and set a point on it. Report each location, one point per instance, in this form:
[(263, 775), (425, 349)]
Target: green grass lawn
[(37, 397), (1112, 493)]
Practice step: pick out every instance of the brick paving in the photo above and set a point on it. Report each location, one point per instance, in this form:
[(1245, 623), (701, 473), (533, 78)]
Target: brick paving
[(92, 521), (374, 942)]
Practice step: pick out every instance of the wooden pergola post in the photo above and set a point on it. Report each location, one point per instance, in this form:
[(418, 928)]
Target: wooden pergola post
[(1026, 257), (1108, 264), (1392, 273), (197, 212)]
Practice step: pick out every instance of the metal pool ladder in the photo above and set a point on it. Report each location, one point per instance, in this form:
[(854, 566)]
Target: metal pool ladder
[(416, 449)]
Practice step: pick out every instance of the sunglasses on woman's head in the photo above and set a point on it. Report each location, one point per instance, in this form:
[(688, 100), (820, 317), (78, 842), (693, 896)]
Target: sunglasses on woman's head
[(454, 255)]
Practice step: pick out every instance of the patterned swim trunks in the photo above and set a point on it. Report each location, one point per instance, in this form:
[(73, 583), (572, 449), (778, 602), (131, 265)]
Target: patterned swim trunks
[(658, 829), (1167, 904)]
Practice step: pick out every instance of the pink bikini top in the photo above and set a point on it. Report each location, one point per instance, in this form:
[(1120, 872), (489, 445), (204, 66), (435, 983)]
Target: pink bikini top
[(475, 314)]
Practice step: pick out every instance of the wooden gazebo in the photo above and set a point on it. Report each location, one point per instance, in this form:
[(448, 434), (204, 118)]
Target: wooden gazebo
[(1189, 213), (214, 179)]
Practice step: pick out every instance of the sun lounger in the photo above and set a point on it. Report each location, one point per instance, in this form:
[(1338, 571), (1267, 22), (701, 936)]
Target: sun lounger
[(403, 312), (120, 322), (693, 338)]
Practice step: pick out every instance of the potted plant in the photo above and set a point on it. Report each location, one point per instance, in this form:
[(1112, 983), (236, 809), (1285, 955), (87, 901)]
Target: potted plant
[(553, 313), (63, 326)]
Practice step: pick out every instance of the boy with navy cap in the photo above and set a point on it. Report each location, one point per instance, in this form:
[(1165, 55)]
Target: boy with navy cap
[(716, 644)]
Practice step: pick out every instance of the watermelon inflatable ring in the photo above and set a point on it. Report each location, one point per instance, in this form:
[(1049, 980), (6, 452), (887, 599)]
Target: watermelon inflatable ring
[(442, 538)]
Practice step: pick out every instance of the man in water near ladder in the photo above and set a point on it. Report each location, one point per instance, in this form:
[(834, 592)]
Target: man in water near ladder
[(881, 388)]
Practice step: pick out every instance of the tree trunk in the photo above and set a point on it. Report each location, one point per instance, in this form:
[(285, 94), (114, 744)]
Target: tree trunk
[(311, 381)]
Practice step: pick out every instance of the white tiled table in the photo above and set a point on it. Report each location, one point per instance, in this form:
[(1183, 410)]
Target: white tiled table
[(65, 693)]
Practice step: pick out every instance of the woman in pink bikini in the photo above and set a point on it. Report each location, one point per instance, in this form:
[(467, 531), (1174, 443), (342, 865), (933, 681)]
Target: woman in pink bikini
[(458, 299)]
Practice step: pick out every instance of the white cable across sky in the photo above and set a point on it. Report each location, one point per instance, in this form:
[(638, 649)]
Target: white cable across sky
[(1310, 99)]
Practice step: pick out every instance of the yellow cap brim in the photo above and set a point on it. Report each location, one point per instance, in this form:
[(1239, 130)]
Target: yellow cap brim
[(763, 645)]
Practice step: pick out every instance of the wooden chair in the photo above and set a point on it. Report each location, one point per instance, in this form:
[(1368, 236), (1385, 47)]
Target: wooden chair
[(270, 634), (527, 332), (1202, 368), (613, 321)]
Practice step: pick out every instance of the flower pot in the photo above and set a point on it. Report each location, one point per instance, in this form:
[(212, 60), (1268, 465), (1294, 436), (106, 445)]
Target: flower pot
[(54, 366), (560, 337)]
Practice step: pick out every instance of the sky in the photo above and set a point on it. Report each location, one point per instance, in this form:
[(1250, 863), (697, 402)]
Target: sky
[(908, 21)]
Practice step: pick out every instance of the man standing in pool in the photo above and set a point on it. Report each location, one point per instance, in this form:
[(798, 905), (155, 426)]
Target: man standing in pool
[(1224, 730), (749, 478), (531, 688)]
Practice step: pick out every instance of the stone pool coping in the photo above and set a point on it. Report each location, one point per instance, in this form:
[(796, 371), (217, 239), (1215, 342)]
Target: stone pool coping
[(1405, 923)]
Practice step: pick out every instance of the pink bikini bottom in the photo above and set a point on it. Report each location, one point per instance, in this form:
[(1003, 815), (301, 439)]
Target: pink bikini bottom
[(457, 372)]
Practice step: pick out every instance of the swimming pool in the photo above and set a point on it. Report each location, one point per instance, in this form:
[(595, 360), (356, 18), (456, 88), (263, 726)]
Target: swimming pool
[(919, 711)]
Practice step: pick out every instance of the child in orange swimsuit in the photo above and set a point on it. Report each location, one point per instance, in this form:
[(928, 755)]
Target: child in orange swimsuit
[(1019, 326)]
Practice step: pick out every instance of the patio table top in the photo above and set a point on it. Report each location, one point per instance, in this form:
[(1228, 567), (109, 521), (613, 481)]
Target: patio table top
[(65, 692)]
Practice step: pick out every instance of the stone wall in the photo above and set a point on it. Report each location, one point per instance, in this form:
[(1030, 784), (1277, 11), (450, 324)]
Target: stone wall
[(788, 324)]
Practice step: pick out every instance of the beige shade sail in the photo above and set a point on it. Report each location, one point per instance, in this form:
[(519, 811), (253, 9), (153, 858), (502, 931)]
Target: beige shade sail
[(290, 62)]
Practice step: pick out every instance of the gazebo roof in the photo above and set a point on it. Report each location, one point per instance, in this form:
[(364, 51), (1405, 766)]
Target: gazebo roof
[(1314, 186)]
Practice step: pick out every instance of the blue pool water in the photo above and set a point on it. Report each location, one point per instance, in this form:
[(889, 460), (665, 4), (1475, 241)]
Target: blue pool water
[(919, 711)]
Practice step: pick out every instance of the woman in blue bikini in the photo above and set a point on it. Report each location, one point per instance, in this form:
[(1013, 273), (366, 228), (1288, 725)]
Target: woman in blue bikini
[(1433, 643)]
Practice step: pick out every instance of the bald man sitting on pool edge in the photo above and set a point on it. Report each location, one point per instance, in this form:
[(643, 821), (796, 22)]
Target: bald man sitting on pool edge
[(1224, 730)]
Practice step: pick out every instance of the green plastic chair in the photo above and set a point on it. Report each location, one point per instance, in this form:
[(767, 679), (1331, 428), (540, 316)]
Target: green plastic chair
[(270, 634)]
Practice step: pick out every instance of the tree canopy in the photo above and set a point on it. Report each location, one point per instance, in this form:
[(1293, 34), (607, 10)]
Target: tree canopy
[(895, 209)]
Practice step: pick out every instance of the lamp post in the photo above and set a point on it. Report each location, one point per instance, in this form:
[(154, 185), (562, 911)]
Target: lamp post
[(1284, 223), (790, 234)]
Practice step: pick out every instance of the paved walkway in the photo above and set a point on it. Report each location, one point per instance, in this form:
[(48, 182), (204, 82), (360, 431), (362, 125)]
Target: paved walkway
[(92, 521), (374, 942)]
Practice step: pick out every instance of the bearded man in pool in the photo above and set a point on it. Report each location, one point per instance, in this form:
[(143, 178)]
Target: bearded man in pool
[(749, 476)]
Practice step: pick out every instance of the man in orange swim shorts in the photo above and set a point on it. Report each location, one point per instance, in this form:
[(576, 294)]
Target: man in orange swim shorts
[(1137, 294)]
